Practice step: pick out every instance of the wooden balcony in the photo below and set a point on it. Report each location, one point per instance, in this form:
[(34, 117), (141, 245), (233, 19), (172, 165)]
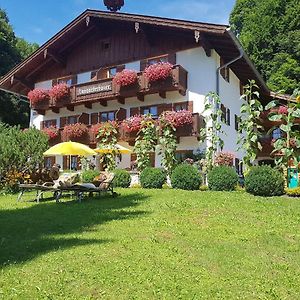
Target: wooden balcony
[(101, 91)]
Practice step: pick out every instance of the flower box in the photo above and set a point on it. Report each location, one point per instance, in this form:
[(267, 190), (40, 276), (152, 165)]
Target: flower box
[(76, 133), (60, 95), (39, 99)]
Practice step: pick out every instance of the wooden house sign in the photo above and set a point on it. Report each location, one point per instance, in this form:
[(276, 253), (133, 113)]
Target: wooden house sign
[(95, 88)]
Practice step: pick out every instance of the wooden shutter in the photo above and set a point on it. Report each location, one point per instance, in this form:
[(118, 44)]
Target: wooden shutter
[(120, 68), (237, 165), (168, 107), (228, 116), (101, 74), (190, 106), (172, 58), (223, 109), (236, 122), (94, 118), (143, 64), (63, 122), (160, 108), (121, 114), (65, 162), (42, 125), (134, 111), (84, 118)]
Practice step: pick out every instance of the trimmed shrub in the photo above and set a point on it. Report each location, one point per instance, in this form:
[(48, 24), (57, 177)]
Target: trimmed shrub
[(222, 178), (122, 179), (294, 192), (152, 178), (203, 188), (185, 177), (89, 175), (264, 181)]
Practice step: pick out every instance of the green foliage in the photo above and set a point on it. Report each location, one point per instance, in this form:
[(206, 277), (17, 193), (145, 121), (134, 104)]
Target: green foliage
[(185, 177), (145, 142), (213, 131), (222, 178), (269, 31), (294, 192), (203, 188), (122, 178), (152, 178), (12, 51), (89, 175), (264, 181), (250, 129)]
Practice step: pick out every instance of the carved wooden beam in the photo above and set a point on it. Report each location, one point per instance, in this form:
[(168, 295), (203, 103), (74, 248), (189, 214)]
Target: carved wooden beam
[(141, 97), (41, 112), (121, 99), (70, 107), (206, 45), (55, 110), (88, 105), (103, 102), (24, 82), (163, 94)]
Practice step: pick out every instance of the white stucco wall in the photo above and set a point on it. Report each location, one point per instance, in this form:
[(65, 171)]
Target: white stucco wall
[(201, 80)]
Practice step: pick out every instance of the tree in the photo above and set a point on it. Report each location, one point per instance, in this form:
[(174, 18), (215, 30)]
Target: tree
[(12, 51), (269, 31)]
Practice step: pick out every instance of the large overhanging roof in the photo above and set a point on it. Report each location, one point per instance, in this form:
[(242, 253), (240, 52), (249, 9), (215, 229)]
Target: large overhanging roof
[(214, 36)]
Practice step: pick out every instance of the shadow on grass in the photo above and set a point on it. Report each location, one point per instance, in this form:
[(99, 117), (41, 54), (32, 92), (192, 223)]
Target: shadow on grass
[(26, 233)]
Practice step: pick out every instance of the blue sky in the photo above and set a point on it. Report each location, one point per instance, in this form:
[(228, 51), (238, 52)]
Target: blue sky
[(39, 20)]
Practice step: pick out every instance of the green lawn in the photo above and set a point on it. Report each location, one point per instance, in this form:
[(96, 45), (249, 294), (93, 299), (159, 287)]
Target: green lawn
[(163, 244)]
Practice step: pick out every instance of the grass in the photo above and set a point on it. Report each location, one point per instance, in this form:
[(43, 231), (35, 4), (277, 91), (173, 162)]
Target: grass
[(162, 244)]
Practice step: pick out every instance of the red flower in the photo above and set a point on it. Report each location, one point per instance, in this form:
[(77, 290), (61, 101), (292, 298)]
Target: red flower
[(52, 132), (59, 91), (133, 124), (38, 95), (224, 159), (177, 118), (76, 130), (283, 110), (158, 71), (125, 78)]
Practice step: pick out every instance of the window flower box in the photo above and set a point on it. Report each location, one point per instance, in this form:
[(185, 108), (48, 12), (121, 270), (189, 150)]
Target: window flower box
[(158, 72), (76, 133), (60, 95), (39, 99), (53, 134)]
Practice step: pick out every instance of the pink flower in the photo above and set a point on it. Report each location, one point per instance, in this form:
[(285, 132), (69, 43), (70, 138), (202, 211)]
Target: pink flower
[(158, 71), (224, 159), (132, 124), (59, 91), (52, 132), (125, 77), (177, 118), (76, 130), (283, 110), (38, 95)]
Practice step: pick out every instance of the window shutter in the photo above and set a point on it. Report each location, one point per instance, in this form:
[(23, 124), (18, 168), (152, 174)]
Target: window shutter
[(161, 108), (168, 107), (42, 125), (223, 109), (134, 111), (101, 74), (65, 163), (121, 114), (120, 68), (78, 163), (172, 58), (236, 122), (237, 165), (228, 117), (74, 80), (143, 64), (84, 118), (190, 106), (94, 118), (63, 122)]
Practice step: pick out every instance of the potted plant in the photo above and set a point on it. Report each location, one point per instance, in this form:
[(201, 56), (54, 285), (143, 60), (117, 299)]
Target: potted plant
[(39, 99), (77, 132), (126, 83), (60, 94)]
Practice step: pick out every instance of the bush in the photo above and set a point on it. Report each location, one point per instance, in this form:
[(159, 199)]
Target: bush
[(203, 188), (294, 192), (264, 181), (222, 178), (185, 177), (89, 175), (122, 178), (152, 178)]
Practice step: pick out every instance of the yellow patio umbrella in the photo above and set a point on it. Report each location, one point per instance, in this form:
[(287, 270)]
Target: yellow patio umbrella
[(70, 148), (118, 149)]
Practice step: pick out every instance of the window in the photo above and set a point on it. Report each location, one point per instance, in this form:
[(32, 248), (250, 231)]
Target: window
[(228, 117), (152, 110), (238, 166), (276, 134), (180, 106), (70, 80), (48, 162), (236, 122), (107, 116), (49, 123), (225, 117), (74, 163), (111, 72), (72, 120), (182, 155), (159, 59)]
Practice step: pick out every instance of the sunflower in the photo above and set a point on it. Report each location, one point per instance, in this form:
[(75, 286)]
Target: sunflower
[(298, 99)]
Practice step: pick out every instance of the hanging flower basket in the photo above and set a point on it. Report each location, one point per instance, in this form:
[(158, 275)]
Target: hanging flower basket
[(60, 94), (39, 99), (76, 133)]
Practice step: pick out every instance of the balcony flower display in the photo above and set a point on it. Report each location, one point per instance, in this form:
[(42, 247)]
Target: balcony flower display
[(177, 118), (132, 124), (52, 132), (75, 131), (224, 159), (125, 78), (38, 96), (59, 92), (158, 71)]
